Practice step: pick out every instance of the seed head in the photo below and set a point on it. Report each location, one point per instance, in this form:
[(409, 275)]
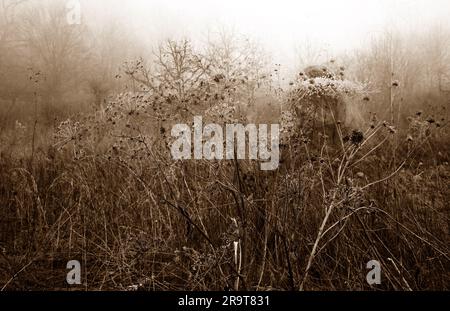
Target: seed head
[(357, 137)]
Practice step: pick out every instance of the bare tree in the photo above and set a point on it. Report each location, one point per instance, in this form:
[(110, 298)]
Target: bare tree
[(310, 54), (109, 48), (179, 68), (8, 21), (54, 46), (241, 61)]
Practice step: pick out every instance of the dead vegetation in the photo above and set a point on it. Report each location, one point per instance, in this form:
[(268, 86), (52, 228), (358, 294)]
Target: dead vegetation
[(101, 187)]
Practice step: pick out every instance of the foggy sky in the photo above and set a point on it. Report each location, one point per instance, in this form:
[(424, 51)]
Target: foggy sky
[(280, 26)]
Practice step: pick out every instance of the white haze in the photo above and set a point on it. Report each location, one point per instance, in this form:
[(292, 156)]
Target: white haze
[(280, 26)]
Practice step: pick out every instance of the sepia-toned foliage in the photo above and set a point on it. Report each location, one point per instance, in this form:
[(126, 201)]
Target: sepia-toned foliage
[(364, 170)]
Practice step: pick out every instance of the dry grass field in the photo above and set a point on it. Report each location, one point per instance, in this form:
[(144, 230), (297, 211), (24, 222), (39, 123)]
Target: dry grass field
[(364, 172)]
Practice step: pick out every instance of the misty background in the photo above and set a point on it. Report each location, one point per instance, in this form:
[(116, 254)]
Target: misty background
[(53, 69)]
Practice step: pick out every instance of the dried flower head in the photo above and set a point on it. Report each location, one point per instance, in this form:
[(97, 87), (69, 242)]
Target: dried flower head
[(357, 137)]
